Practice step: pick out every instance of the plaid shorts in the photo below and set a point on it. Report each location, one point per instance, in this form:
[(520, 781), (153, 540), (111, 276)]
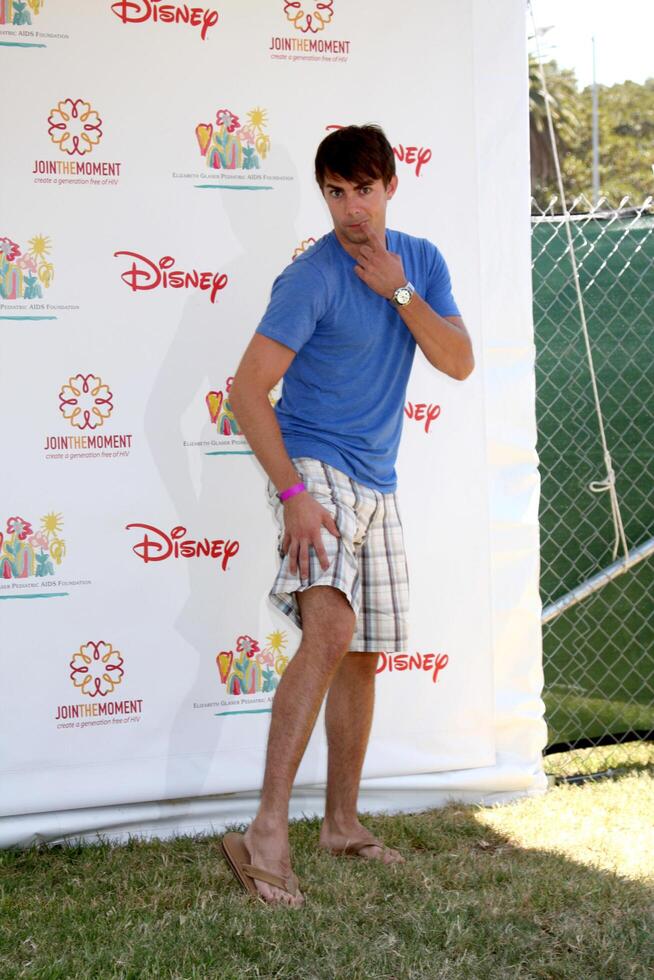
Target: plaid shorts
[(367, 562)]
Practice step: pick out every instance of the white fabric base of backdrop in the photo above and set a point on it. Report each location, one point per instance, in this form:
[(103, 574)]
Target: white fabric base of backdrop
[(213, 814)]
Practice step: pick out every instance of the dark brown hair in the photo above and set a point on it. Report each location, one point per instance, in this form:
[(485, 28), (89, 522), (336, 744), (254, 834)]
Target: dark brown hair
[(357, 154)]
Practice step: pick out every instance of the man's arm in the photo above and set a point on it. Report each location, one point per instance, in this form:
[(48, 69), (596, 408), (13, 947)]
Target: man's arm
[(264, 362), (444, 340)]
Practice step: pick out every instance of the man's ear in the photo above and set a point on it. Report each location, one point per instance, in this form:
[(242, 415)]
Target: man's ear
[(392, 187)]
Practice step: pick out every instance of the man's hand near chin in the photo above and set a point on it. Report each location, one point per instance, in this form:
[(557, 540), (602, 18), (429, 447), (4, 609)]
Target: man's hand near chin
[(380, 269), (443, 340), (303, 519)]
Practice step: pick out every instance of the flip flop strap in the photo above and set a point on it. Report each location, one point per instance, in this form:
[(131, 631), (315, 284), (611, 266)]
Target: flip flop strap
[(289, 884), (356, 846)]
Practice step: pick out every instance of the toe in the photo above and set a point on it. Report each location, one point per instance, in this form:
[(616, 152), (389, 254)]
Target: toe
[(385, 854), (293, 901), (276, 896), (265, 891)]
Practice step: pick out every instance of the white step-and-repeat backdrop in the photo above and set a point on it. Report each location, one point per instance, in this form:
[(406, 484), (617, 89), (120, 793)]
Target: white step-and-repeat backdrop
[(157, 174)]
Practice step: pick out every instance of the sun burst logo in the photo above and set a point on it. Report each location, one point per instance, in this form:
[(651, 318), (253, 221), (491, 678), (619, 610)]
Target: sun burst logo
[(307, 17), (85, 401), (229, 145), (74, 127)]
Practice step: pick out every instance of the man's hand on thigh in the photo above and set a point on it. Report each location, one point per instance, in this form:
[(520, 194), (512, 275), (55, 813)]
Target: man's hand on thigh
[(303, 519)]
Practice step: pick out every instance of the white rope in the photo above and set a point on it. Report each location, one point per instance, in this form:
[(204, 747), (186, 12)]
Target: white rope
[(598, 486)]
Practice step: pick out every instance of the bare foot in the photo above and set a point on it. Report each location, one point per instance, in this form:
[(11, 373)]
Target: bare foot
[(270, 851), (333, 837)]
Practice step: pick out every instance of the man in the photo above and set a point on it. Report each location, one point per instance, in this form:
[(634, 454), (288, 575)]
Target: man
[(341, 329)]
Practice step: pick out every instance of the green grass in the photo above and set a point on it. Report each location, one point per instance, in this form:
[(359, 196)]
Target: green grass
[(554, 887), (599, 656), (595, 715)]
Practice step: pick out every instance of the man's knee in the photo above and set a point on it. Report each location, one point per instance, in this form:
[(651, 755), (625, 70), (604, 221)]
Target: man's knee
[(336, 640), (328, 622)]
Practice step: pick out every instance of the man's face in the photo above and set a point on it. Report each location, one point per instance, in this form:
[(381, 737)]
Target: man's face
[(350, 205)]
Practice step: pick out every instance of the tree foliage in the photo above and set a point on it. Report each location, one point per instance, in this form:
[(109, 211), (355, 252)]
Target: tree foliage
[(626, 137)]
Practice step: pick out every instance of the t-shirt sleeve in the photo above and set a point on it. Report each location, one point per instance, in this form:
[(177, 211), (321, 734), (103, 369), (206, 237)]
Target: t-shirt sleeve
[(439, 288), (297, 302)]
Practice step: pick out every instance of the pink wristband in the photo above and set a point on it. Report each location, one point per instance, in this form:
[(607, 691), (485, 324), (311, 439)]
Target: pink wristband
[(291, 491)]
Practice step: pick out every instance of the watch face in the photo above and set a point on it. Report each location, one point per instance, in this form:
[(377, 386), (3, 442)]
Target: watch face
[(402, 296)]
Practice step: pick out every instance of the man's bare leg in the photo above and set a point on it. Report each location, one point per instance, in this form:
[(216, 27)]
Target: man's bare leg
[(348, 719), (327, 627)]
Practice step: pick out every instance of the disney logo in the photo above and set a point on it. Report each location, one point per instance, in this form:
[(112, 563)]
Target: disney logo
[(430, 662), (148, 275), (138, 11), (422, 412), (156, 545)]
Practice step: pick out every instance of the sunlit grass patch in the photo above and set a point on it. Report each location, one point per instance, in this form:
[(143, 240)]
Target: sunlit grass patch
[(607, 824), (601, 758)]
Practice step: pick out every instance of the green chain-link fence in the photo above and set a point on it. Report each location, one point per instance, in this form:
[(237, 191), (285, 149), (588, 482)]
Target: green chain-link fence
[(599, 650)]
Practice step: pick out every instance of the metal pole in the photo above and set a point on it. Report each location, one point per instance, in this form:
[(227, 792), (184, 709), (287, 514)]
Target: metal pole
[(596, 582), (595, 136)]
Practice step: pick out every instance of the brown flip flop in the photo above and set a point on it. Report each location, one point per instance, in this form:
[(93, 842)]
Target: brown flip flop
[(238, 858)]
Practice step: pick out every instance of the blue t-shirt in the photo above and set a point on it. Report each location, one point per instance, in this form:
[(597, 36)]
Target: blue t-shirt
[(343, 394)]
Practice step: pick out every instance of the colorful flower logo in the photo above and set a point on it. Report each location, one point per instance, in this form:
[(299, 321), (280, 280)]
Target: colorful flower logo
[(96, 669), (19, 527), (227, 145), (85, 401), (248, 646), (74, 127), (255, 670), (23, 273), (16, 12), (220, 411), (25, 552), (9, 250), (312, 21), (226, 119)]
